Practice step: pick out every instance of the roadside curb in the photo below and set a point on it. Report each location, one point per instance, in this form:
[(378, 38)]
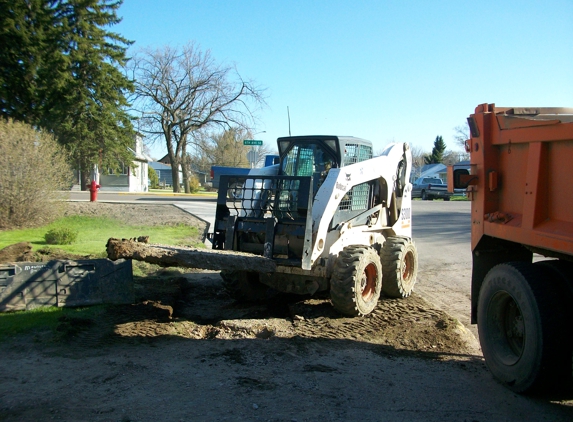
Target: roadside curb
[(207, 224)]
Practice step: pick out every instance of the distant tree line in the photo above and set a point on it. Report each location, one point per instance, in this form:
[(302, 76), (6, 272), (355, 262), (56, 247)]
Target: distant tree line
[(60, 73), (63, 72)]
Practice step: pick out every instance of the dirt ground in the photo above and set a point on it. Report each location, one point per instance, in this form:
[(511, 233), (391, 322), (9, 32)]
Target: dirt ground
[(186, 351)]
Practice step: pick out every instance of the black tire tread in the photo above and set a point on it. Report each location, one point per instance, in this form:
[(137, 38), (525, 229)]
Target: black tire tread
[(390, 256), (342, 283), (550, 364)]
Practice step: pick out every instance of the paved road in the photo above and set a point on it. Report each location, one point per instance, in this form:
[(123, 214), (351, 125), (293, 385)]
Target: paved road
[(441, 231), (201, 206)]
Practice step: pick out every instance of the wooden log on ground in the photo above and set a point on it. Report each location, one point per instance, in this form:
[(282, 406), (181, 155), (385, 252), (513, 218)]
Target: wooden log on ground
[(171, 256)]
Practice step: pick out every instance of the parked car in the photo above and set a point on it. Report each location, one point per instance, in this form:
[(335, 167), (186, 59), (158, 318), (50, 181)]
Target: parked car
[(429, 188)]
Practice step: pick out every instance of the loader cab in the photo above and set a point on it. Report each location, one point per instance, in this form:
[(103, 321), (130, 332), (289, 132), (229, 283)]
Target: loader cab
[(316, 155)]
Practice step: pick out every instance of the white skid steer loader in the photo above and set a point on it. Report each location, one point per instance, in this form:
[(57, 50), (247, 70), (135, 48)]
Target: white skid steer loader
[(332, 218)]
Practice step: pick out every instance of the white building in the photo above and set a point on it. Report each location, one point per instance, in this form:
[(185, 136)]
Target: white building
[(132, 178)]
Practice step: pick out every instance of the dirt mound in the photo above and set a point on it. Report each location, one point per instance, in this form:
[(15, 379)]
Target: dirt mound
[(17, 252), (22, 252), (195, 306)]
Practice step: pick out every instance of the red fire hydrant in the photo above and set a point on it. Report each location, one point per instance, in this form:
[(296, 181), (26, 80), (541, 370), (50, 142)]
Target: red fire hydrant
[(93, 191)]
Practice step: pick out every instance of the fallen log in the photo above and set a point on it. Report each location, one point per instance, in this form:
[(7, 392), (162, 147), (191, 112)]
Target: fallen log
[(171, 256)]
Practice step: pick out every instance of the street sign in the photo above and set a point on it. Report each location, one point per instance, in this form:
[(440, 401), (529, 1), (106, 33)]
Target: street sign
[(252, 142)]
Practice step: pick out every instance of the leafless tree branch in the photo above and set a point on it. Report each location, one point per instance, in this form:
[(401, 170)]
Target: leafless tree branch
[(181, 91)]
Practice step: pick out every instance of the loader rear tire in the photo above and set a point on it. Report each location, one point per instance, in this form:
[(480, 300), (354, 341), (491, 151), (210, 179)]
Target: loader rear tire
[(399, 266), (244, 286), (356, 281)]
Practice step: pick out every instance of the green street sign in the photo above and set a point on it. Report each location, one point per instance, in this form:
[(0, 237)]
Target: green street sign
[(252, 142)]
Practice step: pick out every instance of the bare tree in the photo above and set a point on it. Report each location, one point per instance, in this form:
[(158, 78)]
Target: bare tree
[(226, 148), (263, 151), (461, 134), (418, 160), (451, 157), (180, 91)]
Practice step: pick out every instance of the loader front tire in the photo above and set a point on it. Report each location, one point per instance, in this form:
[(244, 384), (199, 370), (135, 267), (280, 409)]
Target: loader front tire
[(244, 286), (399, 266), (356, 281)]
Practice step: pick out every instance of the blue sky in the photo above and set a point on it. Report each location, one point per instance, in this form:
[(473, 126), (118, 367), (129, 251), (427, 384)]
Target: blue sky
[(386, 71)]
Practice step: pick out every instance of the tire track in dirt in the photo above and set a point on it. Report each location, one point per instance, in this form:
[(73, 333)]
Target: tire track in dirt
[(195, 306)]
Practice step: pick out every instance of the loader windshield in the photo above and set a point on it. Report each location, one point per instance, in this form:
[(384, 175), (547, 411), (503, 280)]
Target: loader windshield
[(306, 160)]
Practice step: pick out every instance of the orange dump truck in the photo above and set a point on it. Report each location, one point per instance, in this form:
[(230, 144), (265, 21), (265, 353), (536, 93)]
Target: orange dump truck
[(520, 183)]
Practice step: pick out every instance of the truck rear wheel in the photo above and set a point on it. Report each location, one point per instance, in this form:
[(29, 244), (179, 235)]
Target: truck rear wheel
[(519, 326), (399, 266), (244, 286), (560, 274), (356, 281)]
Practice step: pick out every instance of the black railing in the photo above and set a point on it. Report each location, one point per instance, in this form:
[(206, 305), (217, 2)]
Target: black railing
[(281, 197), (265, 215)]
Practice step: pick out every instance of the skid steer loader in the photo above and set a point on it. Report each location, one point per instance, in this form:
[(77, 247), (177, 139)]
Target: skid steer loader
[(332, 217)]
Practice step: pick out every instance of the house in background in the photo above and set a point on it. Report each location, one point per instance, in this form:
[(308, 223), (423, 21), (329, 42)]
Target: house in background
[(132, 178), (165, 160), (164, 173), (437, 170), (201, 175), (433, 170)]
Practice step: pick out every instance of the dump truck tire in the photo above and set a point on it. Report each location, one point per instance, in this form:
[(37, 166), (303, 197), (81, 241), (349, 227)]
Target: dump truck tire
[(561, 275), (356, 281), (521, 328), (399, 259), (244, 286)]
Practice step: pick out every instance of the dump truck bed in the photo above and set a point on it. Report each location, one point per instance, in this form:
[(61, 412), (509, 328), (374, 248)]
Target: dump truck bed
[(522, 192)]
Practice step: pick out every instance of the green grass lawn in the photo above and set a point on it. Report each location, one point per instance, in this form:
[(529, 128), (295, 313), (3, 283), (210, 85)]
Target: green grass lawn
[(93, 233)]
